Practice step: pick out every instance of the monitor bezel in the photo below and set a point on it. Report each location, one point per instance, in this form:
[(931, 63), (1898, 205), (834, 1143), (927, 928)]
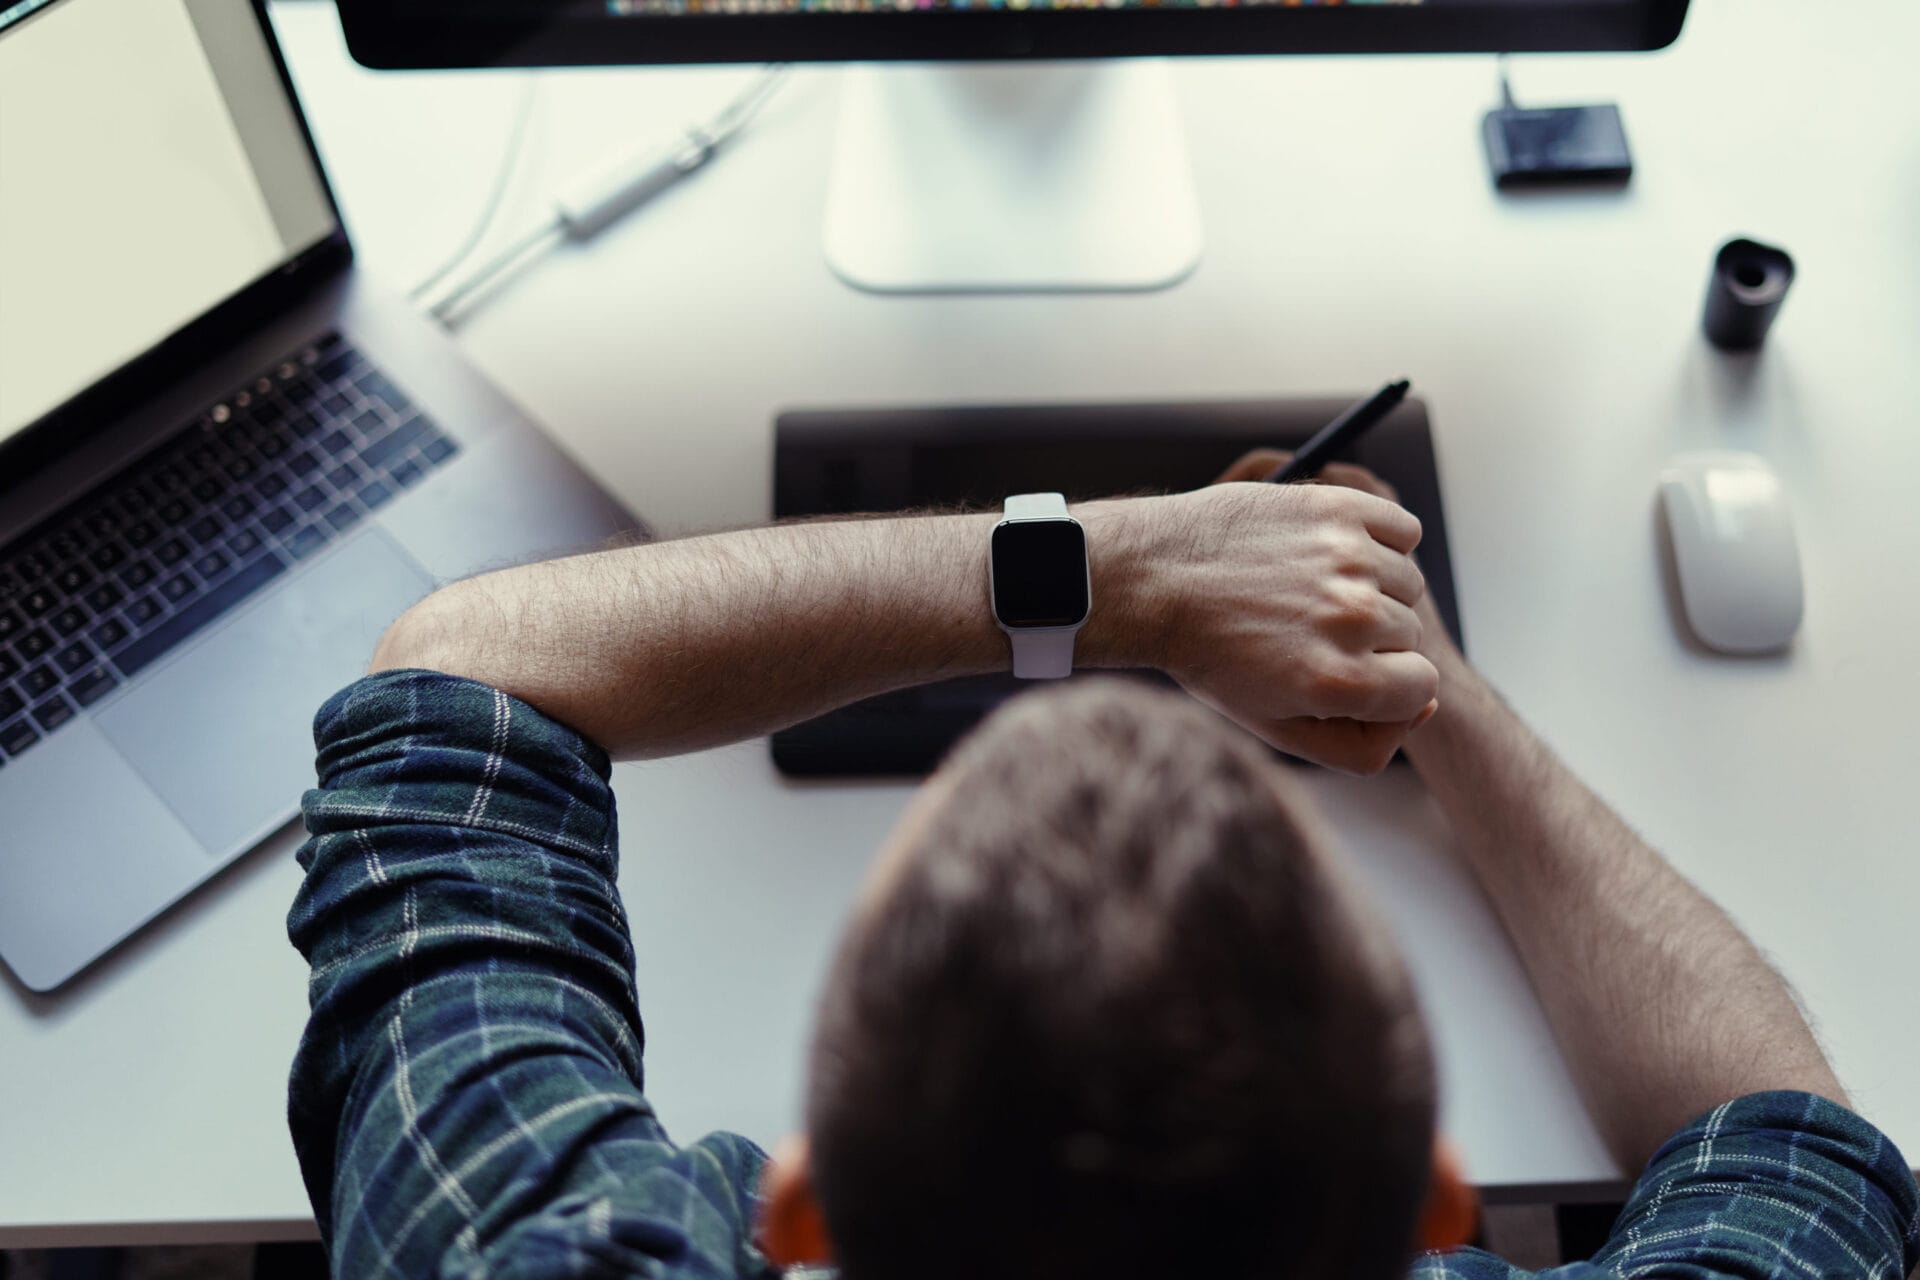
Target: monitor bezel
[(382, 39)]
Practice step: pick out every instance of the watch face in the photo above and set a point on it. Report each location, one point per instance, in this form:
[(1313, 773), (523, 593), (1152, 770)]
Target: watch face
[(1040, 573)]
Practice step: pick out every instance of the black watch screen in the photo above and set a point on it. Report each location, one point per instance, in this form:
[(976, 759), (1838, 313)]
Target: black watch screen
[(1040, 573)]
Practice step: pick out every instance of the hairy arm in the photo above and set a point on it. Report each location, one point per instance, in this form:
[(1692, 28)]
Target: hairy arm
[(1664, 1008), (1288, 607)]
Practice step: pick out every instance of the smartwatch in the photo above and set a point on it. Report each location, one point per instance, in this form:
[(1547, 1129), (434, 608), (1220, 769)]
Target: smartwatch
[(1041, 584)]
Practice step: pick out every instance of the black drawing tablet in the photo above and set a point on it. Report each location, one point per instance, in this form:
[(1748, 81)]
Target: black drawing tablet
[(831, 462)]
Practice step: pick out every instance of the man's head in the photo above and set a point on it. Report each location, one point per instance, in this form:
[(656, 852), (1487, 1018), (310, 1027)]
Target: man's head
[(1109, 1009)]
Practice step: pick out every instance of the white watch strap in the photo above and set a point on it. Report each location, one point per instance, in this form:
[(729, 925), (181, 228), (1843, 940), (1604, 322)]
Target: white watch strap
[(1043, 655), (1040, 655), (1035, 506)]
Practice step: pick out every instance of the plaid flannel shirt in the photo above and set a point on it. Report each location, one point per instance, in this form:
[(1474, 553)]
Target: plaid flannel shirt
[(467, 1099)]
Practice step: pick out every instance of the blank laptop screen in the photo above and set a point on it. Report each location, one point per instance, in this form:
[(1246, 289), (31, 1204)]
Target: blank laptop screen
[(151, 167)]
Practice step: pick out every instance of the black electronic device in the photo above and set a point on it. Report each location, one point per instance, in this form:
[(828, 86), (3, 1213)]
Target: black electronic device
[(1557, 146), (465, 33), (837, 462), (1745, 291)]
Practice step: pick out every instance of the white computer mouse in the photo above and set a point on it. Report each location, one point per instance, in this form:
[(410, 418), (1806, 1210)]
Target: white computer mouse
[(1733, 551)]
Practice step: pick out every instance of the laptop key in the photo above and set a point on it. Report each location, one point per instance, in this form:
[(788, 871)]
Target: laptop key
[(277, 520), (211, 565), (311, 498), (11, 704), (344, 477), (33, 644), (307, 541), (373, 493), (170, 552), (395, 444), (9, 665), (73, 657), (271, 485), (237, 587), (107, 555), (92, 687), (177, 588), (140, 533), (11, 625), (39, 680), (108, 634), (38, 602), (137, 575), (33, 566), (104, 597), (238, 507), (53, 713), (69, 620), (18, 736), (406, 473), (205, 529), (243, 542), (144, 610), (344, 516)]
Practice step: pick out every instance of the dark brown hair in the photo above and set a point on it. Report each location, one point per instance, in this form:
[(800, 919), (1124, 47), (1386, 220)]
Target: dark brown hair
[(1116, 1017)]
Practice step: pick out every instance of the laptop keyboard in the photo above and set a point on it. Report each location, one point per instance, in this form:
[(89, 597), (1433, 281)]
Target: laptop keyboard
[(263, 479)]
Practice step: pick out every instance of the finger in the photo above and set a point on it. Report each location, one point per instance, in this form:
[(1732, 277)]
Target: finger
[(1390, 524), (1255, 465), (1350, 746), (1376, 687), (1351, 476), (1398, 629), (1398, 575), (1406, 682)]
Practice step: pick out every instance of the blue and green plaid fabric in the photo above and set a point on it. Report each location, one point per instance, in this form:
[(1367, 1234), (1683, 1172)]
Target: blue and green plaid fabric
[(467, 1099)]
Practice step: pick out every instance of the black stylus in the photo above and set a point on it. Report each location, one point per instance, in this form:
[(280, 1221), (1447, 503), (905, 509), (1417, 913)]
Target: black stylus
[(1341, 432)]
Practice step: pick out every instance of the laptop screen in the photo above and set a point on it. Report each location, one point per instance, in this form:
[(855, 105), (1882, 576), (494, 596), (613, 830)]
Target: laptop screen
[(151, 167)]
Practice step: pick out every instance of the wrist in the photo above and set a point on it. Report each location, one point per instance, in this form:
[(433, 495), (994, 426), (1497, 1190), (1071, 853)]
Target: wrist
[(1468, 708), (1134, 598)]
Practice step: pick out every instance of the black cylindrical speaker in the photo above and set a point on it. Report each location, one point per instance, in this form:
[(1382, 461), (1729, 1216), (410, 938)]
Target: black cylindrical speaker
[(1749, 283)]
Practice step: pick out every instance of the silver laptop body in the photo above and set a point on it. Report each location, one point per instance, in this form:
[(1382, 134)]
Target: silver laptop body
[(225, 464)]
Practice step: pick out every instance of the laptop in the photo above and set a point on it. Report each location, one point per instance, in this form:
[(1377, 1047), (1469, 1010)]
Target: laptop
[(225, 463)]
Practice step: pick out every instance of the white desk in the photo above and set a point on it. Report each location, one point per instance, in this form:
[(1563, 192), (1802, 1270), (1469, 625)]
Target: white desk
[(1351, 235)]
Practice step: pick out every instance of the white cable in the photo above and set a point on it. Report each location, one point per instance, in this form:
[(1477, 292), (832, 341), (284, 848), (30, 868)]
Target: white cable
[(490, 209), (586, 205)]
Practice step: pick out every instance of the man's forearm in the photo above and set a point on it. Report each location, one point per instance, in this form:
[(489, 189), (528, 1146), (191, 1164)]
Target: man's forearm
[(1662, 1005), (676, 646)]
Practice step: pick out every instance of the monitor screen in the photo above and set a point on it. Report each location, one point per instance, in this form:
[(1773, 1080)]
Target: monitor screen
[(422, 33), (151, 167)]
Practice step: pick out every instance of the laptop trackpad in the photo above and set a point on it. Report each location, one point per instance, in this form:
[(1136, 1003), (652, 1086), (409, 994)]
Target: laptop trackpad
[(224, 732)]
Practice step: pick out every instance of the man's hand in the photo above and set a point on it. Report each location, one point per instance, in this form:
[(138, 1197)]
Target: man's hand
[(1298, 614)]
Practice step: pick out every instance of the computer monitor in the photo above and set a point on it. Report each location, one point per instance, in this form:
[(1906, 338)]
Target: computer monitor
[(1013, 163)]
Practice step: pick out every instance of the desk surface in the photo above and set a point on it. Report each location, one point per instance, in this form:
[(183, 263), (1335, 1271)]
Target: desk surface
[(1351, 234)]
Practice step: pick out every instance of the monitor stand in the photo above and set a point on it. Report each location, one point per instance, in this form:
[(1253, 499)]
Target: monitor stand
[(1011, 177)]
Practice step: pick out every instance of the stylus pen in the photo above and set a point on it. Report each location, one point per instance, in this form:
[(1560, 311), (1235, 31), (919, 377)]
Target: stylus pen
[(1329, 440)]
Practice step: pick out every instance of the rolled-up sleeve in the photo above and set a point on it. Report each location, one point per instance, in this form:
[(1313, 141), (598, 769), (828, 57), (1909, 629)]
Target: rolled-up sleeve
[(1772, 1184), (467, 1097)]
